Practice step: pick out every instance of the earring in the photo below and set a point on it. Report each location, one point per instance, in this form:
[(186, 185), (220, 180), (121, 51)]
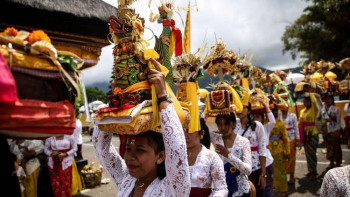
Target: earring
[(159, 161), (201, 137)]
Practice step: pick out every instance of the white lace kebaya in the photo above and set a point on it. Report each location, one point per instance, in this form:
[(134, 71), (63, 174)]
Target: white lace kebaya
[(291, 123), (257, 142), (177, 181), (336, 182), (67, 143), (209, 169), (268, 128), (239, 157)]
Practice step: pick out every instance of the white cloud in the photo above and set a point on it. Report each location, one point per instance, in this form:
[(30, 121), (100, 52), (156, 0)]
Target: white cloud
[(244, 25)]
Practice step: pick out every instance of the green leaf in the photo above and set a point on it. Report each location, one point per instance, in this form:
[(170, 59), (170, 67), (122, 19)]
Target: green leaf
[(68, 62)]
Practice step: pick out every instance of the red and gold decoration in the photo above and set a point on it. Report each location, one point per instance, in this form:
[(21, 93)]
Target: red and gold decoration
[(133, 106), (48, 86)]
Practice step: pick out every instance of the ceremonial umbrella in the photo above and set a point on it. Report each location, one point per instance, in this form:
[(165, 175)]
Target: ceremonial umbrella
[(294, 78)]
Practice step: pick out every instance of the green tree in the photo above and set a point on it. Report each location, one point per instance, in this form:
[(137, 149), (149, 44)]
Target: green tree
[(321, 32), (93, 93)]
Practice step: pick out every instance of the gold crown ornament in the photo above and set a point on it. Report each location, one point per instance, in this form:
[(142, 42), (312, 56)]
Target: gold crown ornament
[(220, 61)]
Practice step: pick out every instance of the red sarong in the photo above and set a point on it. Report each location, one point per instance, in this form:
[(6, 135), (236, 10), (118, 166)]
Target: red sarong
[(61, 180), (200, 192)]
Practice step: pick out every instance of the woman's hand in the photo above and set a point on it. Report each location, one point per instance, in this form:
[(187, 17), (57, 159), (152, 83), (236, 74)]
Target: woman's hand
[(157, 78), (62, 155), (287, 157), (221, 150), (262, 181), (298, 144), (55, 153)]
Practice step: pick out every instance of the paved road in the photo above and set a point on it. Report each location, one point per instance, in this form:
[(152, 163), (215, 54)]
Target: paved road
[(302, 187)]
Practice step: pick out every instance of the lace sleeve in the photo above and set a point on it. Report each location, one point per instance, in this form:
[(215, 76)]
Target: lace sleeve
[(260, 134), (244, 165), (218, 176), (73, 144), (47, 148), (109, 157), (329, 186), (36, 145), (176, 164), (295, 125), (272, 121)]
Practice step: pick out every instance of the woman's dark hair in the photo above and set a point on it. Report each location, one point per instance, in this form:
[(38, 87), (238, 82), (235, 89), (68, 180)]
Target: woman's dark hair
[(155, 140), (251, 122), (332, 98), (228, 118), (206, 137)]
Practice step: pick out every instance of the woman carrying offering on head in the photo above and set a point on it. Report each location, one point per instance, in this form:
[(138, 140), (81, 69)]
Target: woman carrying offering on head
[(268, 191), (61, 151), (154, 164), (279, 145), (234, 151), (254, 132), (206, 168), (291, 122), (308, 133), (331, 116)]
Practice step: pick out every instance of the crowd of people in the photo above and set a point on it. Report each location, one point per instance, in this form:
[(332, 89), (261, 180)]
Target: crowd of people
[(252, 156), (46, 167)]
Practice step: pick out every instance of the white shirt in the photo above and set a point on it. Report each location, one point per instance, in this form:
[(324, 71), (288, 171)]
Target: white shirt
[(68, 142), (268, 128), (77, 132), (207, 170), (32, 145), (332, 113), (257, 140), (291, 123), (177, 182), (240, 157), (336, 182)]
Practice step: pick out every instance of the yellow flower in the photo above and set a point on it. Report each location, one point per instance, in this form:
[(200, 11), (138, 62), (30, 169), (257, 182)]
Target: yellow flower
[(38, 35)]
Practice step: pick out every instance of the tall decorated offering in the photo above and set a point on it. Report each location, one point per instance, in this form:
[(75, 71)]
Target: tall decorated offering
[(344, 85), (133, 106), (223, 99), (312, 79), (170, 40), (48, 87), (186, 74)]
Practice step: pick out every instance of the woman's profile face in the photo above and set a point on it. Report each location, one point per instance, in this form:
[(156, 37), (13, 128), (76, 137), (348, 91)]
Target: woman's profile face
[(244, 113), (140, 157), (192, 139), (224, 128), (307, 102), (259, 117), (328, 101)]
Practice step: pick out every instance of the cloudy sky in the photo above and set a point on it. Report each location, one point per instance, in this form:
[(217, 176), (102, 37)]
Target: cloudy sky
[(243, 25)]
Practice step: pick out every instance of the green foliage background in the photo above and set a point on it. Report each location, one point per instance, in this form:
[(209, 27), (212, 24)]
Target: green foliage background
[(321, 32), (94, 93)]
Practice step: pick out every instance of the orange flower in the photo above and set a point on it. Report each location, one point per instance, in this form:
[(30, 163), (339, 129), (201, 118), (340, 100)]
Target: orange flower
[(38, 35), (11, 31), (117, 90)]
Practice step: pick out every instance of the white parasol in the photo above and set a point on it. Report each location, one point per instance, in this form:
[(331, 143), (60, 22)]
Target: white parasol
[(294, 78)]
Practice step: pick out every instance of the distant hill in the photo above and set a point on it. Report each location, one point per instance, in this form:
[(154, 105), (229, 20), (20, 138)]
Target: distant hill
[(104, 86)]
